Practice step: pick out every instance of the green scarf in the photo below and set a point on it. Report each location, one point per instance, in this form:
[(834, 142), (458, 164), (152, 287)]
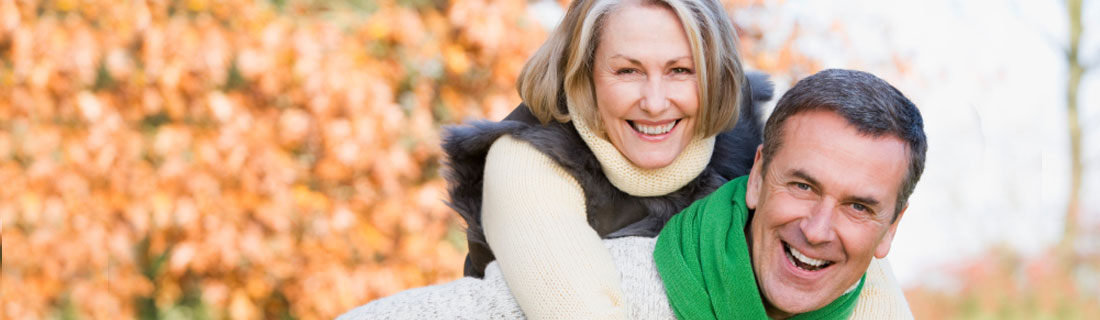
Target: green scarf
[(704, 260)]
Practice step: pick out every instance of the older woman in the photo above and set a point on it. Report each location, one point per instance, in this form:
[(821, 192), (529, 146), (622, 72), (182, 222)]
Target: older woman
[(629, 116), (624, 102)]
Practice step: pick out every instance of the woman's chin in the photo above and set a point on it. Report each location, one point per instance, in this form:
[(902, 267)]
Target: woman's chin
[(651, 161), (652, 152)]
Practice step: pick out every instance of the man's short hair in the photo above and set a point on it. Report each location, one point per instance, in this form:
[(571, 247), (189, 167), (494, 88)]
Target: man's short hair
[(871, 105)]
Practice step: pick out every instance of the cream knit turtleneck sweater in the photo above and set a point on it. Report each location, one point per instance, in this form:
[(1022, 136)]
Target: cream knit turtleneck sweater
[(534, 217), (640, 182), (533, 213)]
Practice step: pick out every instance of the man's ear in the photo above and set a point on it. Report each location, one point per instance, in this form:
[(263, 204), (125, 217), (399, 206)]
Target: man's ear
[(752, 190), (884, 244)]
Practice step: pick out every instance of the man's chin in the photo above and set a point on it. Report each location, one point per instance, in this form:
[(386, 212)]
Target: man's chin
[(784, 302)]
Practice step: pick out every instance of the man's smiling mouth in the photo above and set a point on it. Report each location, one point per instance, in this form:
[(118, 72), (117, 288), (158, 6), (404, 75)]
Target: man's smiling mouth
[(802, 261)]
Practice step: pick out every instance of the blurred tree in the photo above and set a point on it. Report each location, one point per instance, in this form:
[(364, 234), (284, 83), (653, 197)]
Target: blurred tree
[(1078, 64), (1077, 69)]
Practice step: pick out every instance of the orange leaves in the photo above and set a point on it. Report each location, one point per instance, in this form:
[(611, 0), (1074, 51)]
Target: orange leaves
[(308, 201), (456, 60), (259, 161), (294, 126)]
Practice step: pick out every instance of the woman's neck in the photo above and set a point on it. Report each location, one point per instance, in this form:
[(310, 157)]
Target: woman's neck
[(641, 182)]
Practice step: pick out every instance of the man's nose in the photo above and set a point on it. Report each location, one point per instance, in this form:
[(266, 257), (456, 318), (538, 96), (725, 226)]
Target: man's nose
[(655, 95), (818, 226)]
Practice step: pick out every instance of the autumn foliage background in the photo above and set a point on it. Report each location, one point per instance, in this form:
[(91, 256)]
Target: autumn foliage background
[(248, 159)]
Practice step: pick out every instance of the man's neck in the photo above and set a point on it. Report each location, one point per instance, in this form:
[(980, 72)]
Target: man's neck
[(773, 312)]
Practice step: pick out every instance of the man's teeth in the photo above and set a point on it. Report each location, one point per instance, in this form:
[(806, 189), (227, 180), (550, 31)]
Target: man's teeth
[(654, 130), (807, 261)]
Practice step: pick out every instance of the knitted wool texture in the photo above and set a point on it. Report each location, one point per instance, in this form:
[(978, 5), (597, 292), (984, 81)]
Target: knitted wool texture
[(881, 297), (640, 182), (489, 297), (553, 261)]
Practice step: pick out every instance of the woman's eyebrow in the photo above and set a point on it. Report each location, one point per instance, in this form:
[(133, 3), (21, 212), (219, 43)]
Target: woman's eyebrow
[(636, 62), (675, 60), (628, 59)]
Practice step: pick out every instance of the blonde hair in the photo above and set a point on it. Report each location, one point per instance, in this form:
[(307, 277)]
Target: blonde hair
[(559, 74)]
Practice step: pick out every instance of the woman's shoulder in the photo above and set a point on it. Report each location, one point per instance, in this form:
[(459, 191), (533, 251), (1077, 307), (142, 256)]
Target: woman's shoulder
[(511, 148)]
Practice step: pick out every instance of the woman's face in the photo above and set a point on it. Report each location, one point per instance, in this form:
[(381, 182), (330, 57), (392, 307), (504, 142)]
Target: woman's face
[(646, 88)]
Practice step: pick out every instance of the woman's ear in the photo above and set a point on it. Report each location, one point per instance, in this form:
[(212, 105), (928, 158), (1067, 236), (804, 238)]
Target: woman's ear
[(752, 190)]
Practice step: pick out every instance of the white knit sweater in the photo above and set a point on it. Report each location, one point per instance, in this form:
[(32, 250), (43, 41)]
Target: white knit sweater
[(489, 297), (533, 214)]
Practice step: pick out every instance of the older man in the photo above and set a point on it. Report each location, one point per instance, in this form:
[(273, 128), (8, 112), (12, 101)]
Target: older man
[(842, 152)]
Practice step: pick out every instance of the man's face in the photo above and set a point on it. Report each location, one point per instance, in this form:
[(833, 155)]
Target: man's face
[(823, 208)]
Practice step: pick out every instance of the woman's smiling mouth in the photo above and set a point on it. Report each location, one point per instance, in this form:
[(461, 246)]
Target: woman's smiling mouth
[(653, 129)]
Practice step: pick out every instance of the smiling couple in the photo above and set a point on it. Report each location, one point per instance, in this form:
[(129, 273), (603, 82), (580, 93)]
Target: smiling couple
[(636, 182)]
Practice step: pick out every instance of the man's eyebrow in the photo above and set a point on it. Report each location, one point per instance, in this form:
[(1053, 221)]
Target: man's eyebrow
[(798, 173), (867, 200)]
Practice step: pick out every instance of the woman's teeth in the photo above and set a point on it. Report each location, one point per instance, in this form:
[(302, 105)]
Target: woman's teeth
[(653, 130)]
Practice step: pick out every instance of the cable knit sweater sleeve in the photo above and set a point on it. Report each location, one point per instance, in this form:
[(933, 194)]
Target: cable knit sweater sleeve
[(534, 218)]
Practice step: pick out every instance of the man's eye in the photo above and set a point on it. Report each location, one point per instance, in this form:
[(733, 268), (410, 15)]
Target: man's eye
[(802, 186), (860, 207)]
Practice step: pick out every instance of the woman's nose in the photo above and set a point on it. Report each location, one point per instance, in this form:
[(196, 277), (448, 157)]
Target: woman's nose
[(655, 95)]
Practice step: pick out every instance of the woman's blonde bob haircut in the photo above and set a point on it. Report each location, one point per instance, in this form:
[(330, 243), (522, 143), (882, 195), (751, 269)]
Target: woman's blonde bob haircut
[(560, 72)]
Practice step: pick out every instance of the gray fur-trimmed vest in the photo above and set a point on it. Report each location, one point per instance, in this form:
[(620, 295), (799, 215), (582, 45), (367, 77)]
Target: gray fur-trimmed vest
[(611, 212)]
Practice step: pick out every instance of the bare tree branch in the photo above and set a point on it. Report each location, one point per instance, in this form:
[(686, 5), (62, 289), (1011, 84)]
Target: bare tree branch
[(1073, 119)]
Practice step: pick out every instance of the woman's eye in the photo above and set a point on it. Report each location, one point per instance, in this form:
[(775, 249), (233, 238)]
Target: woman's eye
[(626, 71), (681, 70)]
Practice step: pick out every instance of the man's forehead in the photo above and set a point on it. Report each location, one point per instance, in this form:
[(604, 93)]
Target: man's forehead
[(824, 146), (828, 128)]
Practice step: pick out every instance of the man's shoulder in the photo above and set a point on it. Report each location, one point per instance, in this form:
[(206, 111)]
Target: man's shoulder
[(641, 283)]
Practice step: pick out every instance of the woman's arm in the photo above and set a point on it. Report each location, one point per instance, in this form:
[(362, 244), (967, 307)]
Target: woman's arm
[(533, 213), (881, 297)]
